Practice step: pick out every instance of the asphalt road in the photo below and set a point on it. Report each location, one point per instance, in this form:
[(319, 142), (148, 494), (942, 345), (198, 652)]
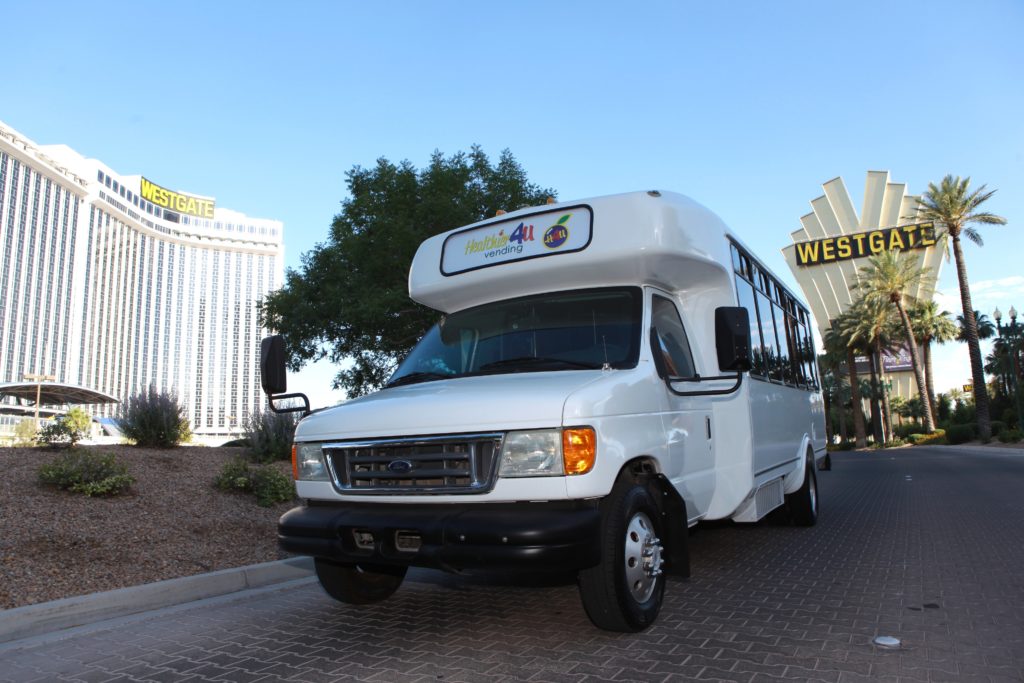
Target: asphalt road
[(925, 545)]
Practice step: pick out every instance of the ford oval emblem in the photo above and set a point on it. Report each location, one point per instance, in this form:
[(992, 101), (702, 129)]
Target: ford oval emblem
[(399, 466)]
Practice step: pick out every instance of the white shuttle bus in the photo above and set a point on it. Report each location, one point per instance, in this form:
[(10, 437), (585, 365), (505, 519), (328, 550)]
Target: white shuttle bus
[(604, 375)]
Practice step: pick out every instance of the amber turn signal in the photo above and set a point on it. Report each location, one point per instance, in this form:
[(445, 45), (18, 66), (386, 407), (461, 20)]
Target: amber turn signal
[(579, 450), (295, 464)]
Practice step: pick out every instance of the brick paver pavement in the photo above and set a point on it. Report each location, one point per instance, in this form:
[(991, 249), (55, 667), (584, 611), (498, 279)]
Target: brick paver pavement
[(923, 544)]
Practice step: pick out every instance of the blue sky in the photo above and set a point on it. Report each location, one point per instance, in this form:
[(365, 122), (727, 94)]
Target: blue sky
[(745, 106)]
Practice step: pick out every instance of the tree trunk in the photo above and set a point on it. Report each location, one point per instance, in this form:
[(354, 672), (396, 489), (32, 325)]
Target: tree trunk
[(915, 359), (973, 348), (877, 428), (928, 378), (886, 411), (858, 410)]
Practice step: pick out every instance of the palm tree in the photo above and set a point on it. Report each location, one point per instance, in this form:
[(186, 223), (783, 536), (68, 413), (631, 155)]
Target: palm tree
[(871, 325), (890, 276), (951, 204), (930, 325), (835, 342), (986, 328)]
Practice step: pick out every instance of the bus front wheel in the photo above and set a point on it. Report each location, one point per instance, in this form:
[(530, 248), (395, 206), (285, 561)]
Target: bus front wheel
[(624, 592)]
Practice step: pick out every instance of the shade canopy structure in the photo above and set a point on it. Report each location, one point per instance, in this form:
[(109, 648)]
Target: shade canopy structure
[(54, 393)]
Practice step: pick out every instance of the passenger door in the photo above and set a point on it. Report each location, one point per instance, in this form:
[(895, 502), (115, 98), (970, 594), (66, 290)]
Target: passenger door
[(687, 419)]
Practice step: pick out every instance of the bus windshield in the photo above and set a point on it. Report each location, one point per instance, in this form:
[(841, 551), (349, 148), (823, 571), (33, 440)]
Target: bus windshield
[(575, 330)]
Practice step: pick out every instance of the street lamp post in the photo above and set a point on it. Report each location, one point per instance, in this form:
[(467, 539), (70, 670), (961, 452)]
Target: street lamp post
[(1012, 333), (38, 379)]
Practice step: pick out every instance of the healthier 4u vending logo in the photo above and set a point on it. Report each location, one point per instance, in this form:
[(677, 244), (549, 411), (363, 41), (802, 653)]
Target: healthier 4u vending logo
[(517, 240)]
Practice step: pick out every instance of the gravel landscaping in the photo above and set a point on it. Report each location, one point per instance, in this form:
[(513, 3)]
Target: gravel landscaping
[(172, 522)]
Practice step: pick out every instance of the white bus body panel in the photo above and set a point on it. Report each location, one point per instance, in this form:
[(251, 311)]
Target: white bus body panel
[(662, 242)]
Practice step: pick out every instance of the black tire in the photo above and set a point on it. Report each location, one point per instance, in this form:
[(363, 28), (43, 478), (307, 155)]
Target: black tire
[(826, 463), (803, 503), (624, 592), (358, 584)]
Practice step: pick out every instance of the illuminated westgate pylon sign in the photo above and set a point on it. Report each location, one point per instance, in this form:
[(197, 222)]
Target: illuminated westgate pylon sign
[(834, 243)]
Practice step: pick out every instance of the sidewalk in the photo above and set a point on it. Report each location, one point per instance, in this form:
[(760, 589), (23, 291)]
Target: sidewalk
[(58, 615)]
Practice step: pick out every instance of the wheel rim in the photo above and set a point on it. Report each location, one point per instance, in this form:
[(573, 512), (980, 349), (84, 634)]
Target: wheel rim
[(812, 489), (642, 557)]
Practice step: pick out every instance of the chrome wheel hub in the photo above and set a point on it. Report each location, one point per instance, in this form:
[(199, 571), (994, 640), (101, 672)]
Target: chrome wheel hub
[(642, 557)]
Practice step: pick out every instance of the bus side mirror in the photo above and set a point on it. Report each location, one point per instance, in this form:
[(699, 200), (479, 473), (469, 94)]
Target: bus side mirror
[(732, 338), (273, 373)]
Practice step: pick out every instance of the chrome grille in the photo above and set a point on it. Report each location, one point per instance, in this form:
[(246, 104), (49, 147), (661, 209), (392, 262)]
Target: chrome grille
[(462, 463)]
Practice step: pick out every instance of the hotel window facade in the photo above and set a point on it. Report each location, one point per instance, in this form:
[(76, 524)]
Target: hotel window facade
[(104, 290)]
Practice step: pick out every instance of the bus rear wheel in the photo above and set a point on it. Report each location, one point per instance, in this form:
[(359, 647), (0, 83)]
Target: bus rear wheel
[(803, 503), (625, 591), (358, 584)]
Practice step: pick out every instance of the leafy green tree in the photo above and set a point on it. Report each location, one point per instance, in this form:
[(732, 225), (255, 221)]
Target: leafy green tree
[(952, 204), (891, 276), (349, 300)]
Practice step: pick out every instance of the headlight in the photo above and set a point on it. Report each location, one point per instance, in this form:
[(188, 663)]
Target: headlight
[(548, 452), (308, 462)]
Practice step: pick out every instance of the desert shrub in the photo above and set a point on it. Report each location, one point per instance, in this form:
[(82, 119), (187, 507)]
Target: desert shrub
[(895, 442), (1010, 417), (938, 436), (960, 434), (264, 481), (83, 471), (907, 428), (270, 435), (154, 419), (67, 429), (25, 433), (1011, 435), (271, 486), (997, 427), (234, 476)]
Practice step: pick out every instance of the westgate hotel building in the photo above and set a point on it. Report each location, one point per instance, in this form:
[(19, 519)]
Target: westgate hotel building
[(115, 284)]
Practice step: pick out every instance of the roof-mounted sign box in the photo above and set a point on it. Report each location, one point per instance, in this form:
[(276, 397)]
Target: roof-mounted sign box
[(546, 233)]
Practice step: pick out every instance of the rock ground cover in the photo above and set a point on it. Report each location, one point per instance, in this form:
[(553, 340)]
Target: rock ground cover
[(172, 523)]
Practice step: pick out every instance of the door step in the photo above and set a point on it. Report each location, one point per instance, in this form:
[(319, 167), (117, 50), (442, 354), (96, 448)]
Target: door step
[(765, 499)]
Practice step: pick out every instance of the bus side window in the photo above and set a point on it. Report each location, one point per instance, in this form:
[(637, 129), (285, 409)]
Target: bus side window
[(674, 346)]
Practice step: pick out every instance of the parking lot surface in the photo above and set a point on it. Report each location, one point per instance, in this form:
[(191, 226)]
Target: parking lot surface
[(925, 545)]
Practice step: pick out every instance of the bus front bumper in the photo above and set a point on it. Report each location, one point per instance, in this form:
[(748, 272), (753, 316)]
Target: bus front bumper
[(548, 536)]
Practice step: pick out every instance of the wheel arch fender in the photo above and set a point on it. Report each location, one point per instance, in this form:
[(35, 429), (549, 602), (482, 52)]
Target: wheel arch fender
[(671, 506), (805, 457)]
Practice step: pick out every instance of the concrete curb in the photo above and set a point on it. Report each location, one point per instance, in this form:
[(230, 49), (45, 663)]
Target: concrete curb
[(48, 617)]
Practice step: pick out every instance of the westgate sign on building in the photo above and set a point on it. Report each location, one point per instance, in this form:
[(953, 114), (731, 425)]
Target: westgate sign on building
[(179, 202)]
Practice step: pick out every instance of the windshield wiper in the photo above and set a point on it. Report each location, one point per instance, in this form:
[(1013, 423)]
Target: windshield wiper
[(536, 363), (415, 377)]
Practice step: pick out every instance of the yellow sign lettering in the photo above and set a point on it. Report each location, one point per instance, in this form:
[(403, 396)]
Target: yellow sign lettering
[(896, 240), (807, 252), (862, 244), (176, 201)]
